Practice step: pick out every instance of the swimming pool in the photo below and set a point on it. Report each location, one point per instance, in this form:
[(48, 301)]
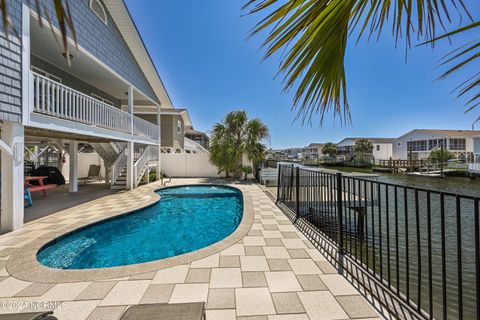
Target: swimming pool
[(185, 219)]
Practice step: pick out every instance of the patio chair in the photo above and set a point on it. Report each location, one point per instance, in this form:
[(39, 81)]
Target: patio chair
[(45, 315), (93, 174), (161, 311)]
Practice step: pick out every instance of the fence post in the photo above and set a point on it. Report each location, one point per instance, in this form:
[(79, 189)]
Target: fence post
[(278, 183), (340, 250), (291, 184), (297, 191)]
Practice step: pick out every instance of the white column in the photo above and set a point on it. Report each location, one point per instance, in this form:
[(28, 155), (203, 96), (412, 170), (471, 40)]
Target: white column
[(27, 78), (130, 144), (159, 160), (12, 177), (73, 173), (130, 165)]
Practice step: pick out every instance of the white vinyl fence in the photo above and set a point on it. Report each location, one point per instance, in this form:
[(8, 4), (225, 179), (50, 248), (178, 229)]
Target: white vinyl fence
[(84, 162), (188, 165)]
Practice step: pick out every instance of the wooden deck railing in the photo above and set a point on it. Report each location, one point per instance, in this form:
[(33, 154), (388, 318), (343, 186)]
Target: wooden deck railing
[(402, 163)]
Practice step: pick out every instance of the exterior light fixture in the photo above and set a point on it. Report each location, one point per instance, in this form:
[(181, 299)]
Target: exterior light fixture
[(69, 57)]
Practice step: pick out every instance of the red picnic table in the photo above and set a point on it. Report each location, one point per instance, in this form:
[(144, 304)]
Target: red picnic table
[(41, 186)]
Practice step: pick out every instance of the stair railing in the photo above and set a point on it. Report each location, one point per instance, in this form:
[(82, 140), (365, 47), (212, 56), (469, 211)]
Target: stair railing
[(118, 166), (150, 153)]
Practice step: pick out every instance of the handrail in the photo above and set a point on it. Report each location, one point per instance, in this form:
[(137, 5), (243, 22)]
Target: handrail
[(150, 153), (189, 144), (118, 166), (164, 183), (145, 128), (55, 99)]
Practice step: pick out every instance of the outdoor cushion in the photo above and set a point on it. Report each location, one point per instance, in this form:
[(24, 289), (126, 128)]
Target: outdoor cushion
[(180, 311), (45, 315)]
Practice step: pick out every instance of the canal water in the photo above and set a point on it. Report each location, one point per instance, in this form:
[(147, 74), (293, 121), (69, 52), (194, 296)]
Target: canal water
[(460, 185), (407, 255)]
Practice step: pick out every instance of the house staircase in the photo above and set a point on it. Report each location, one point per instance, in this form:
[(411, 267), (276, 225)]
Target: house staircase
[(121, 180), (109, 151), (115, 158), (142, 161)]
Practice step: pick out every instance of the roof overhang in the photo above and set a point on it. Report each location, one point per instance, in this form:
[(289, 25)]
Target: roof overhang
[(420, 130), (85, 66), (346, 139), (177, 112), (372, 140), (149, 109), (129, 31)]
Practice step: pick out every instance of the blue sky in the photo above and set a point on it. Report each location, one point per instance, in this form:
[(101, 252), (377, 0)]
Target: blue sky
[(208, 65)]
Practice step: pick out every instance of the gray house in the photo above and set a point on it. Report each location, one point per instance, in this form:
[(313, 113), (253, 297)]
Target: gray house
[(418, 143), (42, 98)]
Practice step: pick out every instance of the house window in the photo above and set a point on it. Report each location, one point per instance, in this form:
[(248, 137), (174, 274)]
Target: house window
[(179, 127), (46, 74), (399, 144), (110, 103), (437, 143), (420, 145), (378, 147), (99, 10), (457, 144)]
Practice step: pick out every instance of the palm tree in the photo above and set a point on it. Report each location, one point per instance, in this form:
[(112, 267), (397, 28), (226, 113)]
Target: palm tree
[(362, 147), (236, 138), (312, 36), (440, 155), (330, 149)]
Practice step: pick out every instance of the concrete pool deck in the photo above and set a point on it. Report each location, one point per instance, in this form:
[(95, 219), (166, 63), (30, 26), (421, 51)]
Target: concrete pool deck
[(270, 272)]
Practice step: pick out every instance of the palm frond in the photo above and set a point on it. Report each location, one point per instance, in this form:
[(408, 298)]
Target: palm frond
[(6, 21), (62, 16), (311, 38), (459, 59)]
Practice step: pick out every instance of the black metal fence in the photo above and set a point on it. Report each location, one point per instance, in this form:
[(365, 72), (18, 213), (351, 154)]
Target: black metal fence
[(420, 247)]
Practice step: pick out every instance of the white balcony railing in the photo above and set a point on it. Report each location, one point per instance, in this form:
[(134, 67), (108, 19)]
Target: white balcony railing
[(144, 128), (193, 146), (57, 100)]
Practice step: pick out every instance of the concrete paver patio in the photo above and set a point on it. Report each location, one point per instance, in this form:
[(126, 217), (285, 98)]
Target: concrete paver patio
[(273, 273)]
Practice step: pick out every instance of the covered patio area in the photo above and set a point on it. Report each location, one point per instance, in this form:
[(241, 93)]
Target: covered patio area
[(60, 198)]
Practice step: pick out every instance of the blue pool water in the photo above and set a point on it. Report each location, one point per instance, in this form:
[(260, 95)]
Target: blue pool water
[(184, 220)]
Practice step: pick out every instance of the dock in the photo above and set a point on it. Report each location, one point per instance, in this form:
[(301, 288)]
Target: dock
[(405, 164), (474, 168), (431, 174), (347, 174), (269, 176)]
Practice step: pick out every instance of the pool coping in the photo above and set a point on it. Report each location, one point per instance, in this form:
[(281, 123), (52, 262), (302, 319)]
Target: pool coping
[(23, 264)]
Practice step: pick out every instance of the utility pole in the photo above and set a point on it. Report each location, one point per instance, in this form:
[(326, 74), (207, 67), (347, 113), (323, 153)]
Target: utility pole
[(410, 157), (441, 160)]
